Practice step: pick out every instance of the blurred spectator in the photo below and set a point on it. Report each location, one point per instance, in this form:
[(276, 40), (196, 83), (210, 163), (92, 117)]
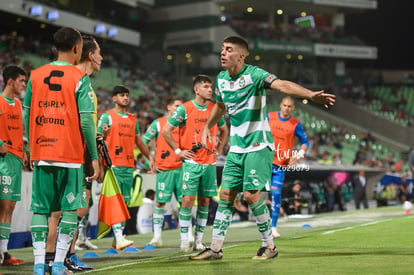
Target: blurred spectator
[(359, 183), (404, 194), (292, 202)]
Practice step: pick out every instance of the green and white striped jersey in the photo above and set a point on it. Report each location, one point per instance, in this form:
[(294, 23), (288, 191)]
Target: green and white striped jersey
[(245, 98)]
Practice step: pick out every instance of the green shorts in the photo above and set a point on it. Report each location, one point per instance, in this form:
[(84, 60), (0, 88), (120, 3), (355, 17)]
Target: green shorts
[(199, 179), (10, 177), (169, 182), (249, 171), (125, 177), (56, 188)]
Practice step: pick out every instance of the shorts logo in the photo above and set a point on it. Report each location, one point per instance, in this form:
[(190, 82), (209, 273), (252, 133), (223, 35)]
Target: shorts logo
[(252, 172), (255, 182), (184, 186), (6, 189), (70, 197)]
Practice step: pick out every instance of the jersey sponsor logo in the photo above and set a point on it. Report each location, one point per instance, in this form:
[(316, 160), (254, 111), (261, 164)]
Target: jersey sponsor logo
[(240, 83), (13, 127), (51, 104), (13, 116), (118, 150), (200, 120), (165, 154), (53, 86), (44, 139), (41, 120), (124, 134), (122, 125)]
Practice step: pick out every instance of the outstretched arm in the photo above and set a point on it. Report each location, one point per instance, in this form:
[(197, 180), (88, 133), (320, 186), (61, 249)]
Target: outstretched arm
[(290, 88)]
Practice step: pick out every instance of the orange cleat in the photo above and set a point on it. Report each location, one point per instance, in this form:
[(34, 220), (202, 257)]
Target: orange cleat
[(12, 261)]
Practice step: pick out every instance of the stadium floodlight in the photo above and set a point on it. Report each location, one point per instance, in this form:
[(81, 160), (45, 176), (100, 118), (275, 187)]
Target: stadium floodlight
[(112, 32), (100, 29), (35, 10), (52, 15), (305, 21)]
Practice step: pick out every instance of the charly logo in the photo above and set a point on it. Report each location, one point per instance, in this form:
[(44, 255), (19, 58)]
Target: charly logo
[(41, 120), (43, 139)]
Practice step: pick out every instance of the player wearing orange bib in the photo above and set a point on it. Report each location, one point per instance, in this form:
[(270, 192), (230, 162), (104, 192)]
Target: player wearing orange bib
[(168, 166), (58, 114), (121, 132), (12, 156), (199, 168), (284, 128)]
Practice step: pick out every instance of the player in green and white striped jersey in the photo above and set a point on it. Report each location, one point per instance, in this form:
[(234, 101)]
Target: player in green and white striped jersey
[(241, 90)]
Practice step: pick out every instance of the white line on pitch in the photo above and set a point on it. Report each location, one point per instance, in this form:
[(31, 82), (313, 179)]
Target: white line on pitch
[(353, 227), (148, 261)]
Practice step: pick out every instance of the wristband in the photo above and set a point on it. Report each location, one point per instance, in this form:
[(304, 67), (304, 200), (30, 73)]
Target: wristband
[(177, 151)]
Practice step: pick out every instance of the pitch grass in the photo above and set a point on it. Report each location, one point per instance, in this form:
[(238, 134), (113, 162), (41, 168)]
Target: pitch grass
[(373, 241)]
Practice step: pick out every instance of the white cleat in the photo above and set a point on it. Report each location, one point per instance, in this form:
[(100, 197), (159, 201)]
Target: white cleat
[(185, 246), (157, 242), (275, 234), (198, 245)]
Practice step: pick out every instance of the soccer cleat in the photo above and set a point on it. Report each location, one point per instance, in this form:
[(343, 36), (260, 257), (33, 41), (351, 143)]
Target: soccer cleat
[(59, 268), (156, 242), (208, 254), (71, 266), (124, 243), (198, 245), (85, 244), (10, 260), (265, 253), (39, 269), (275, 234), (74, 258)]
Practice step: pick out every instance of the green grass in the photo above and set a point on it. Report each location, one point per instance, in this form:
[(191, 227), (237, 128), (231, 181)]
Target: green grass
[(374, 241)]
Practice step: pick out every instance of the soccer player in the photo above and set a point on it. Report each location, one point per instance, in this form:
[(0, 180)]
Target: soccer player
[(12, 155), (241, 90), (199, 168), (90, 62), (121, 132), (168, 167), (284, 128), (58, 115)]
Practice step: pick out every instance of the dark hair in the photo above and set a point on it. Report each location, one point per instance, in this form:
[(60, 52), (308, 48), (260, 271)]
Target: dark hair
[(200, 79), (89, 46), (65, 38), (149, 193), (12, 72), (238, 41), (119, 89), (171, 100)]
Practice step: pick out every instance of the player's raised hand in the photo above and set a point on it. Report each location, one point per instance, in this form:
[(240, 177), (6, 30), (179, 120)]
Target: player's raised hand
[(323, 98)]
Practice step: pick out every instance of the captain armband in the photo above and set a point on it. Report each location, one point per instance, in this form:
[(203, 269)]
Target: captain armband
[(269, 80)]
